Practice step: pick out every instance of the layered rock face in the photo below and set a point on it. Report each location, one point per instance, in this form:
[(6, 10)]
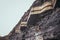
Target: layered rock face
[(40, 22)]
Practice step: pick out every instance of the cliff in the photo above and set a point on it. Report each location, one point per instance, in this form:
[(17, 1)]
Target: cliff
[(40, 22)]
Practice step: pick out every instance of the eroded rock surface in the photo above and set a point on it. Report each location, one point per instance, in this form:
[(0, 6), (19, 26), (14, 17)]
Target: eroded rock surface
[(40, 22)]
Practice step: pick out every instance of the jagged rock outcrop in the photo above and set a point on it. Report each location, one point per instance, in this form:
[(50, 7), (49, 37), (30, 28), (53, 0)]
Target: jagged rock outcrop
[(40, 22)]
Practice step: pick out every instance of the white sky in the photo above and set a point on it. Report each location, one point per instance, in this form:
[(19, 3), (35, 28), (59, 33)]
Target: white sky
[(11, 12)]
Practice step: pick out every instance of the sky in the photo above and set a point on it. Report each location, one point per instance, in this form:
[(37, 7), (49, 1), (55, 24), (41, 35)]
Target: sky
[(11, 12)]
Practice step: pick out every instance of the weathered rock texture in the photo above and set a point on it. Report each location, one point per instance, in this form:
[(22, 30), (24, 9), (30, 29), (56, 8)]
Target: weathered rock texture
[(40, 22)]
